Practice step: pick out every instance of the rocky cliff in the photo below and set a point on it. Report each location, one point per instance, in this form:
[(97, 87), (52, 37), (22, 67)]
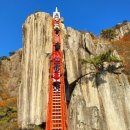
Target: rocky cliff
[(10, 80), (10, 75), (122, 29), (98, 100), (33, 92)]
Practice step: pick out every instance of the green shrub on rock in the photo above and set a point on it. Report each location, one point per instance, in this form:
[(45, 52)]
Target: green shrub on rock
[(2, 114), (4, 58), (108, 33), (98, 60), (11, 53)]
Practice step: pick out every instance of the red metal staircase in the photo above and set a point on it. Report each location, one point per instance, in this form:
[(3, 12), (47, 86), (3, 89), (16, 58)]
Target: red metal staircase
[(57, 114)]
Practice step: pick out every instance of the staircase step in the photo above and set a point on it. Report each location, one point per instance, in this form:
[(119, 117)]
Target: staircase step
[(56, 116), (56, 103), (57, 125), (56, 119), (57, 128), (56, 96), (56, 106), (56, 93), (56, 99), (56, 112)]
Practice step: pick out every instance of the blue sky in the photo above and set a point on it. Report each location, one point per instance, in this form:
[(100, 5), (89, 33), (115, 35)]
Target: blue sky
[(85, 15)]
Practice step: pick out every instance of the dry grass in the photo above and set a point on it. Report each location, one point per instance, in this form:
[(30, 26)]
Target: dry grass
[(123, 48), (12, 102), (8, 114)]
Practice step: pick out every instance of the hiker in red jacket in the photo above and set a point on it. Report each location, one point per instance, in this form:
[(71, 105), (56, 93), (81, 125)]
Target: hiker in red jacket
[(56, 78)]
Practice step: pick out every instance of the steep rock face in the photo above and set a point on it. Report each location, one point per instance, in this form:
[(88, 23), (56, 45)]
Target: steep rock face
[(10, 75), (77, 46), (114, 91), (100, 104), (95, 98), (124, 29), (10, 79), (33, 92)]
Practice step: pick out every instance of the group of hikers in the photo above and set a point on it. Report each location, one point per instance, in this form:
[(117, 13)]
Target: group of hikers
[(56, 58)]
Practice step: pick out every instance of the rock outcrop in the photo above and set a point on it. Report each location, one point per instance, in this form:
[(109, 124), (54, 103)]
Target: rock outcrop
[(33, 92), (10, 75), (99, 100), (96, 97), (10, 80), (100, 103), (122, 29)]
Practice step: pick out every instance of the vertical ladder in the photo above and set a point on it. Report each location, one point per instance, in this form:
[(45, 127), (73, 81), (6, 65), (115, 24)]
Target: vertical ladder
[(57, 113)]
